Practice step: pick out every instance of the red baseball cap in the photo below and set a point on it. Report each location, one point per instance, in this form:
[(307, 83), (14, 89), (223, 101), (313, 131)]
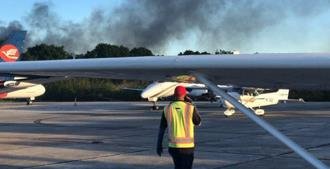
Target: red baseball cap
[(180, 91)]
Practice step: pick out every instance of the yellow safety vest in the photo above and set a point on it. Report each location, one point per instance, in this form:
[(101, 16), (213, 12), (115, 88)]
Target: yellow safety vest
[(180, 125)]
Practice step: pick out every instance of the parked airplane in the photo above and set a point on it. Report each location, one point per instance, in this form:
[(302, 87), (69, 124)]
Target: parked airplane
[(19, 87), (292, 71), (255, 98), (157, 90), (250, 97)]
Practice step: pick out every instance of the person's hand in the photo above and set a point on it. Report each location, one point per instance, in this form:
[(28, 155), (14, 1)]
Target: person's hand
[(187, 99), (159, 150)]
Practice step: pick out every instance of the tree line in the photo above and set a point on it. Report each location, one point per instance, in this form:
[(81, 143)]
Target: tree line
[(88, 89)]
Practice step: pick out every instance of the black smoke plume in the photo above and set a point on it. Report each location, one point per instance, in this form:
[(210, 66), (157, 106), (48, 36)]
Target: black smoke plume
[(156, 24)]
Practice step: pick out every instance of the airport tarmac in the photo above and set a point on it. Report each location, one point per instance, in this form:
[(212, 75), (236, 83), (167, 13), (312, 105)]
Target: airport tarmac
[(122, 135)]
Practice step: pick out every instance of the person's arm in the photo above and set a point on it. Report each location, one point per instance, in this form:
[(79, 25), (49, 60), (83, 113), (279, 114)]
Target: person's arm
[(161, 132), (196, 117)]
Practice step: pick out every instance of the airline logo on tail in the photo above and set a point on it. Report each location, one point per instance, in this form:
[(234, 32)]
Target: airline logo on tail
[(9, 53)]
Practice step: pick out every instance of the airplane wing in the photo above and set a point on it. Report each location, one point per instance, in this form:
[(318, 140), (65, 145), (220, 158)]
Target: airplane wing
[(282, 70)]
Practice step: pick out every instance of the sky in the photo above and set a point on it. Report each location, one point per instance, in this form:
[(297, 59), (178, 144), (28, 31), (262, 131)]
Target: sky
[(170, 27), (74, 10)]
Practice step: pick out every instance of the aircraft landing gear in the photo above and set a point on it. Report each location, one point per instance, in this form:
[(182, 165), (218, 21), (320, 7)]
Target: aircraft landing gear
[(229, 112), (260, 112), (29, 101), (154, 106)]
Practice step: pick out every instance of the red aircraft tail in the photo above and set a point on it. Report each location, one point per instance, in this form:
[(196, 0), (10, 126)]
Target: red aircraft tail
[(11, 49)]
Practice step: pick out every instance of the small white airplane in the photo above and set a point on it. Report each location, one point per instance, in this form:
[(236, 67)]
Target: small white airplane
[(274, 71), (256, 98), (157, 90), (19, 87), (12, 87), (250, 97)]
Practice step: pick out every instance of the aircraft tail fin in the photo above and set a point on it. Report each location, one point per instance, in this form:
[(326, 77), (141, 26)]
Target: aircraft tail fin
[(283, 94), (11, 49)]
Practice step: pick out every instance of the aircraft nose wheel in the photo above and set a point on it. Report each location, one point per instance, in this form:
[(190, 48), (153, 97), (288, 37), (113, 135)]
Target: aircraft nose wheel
[(155, 107), (29, 102), (229, 112), (260, 112)]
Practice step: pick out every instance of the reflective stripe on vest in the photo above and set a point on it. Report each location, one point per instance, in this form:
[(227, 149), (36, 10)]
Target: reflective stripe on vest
[(180, 126)]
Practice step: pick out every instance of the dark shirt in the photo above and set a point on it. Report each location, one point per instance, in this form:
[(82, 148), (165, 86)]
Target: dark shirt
[(163, 125)]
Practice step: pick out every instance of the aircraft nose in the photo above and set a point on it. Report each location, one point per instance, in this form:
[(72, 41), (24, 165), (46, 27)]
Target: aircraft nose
[(144, 94)]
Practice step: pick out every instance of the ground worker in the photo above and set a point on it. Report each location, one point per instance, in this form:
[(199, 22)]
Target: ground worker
[(180, 117)]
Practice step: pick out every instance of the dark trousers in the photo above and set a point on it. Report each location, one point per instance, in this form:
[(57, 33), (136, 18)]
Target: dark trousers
[(182, 157)]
